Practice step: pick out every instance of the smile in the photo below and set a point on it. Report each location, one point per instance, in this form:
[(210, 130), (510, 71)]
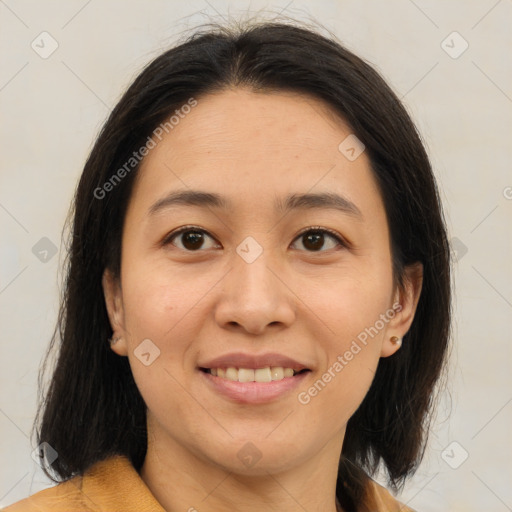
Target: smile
[(253, 386), (267, 374)]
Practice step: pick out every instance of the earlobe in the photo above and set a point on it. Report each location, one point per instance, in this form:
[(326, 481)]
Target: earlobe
[(407, 296), (390, 346), (118, 345), (114, 305)]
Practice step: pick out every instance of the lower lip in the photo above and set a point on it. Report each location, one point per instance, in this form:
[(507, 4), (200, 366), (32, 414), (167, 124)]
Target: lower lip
[(253, 392)]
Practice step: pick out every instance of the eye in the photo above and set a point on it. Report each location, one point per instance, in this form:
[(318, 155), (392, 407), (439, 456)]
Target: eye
[(192, 238), (314, 239)]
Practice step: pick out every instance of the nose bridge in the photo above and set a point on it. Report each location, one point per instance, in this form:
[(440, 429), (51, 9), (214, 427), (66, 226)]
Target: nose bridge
[(252, 268), (252, 277)]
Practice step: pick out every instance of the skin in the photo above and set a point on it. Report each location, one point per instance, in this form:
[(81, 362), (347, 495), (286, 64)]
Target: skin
[(310, 305)]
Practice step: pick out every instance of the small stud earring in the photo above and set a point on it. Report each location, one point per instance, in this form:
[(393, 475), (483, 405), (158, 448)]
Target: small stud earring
[(396, 340), (113, 340)]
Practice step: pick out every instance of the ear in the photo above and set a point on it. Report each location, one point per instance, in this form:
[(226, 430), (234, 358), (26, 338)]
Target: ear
[(114, 303), (405, 302)]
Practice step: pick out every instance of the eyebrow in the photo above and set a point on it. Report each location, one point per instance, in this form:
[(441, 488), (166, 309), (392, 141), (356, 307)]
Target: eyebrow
[(326, 200)]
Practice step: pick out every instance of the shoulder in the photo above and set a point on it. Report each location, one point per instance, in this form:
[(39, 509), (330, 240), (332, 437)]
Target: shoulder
[(62, 497), (109, 485), (379, 499)]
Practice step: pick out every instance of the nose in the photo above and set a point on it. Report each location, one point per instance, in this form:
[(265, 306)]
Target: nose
[(255, 296)]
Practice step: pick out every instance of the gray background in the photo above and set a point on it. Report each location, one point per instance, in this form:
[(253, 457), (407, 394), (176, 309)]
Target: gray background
[(52, 107)]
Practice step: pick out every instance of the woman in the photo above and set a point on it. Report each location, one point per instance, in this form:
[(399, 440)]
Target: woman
[(257, 306)]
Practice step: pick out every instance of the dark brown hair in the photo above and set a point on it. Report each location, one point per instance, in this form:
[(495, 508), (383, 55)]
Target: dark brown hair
[(92, 407)]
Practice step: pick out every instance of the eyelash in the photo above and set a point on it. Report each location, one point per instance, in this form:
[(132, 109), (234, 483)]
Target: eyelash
[(317, 229)]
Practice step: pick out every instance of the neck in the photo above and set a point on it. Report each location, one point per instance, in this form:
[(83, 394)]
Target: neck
[(180, 481)]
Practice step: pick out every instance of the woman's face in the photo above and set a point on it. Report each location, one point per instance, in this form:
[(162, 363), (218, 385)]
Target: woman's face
[(251, 284)]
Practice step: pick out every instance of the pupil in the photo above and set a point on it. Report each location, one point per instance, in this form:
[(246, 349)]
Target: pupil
[(317, 240), (192, 240)]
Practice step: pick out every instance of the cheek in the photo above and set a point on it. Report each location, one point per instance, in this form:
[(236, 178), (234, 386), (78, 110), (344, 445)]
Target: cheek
[(339, 387), (163, 306), (157, 308), (351, 300), (352, 307), (352, 356), (151, 309), (157, 299)]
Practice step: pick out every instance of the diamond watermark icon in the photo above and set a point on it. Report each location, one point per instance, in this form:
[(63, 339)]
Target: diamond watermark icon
[(351, 147), (44, 250), (146, 352), (249, 250), (249, 455), (454, 45), (454, 455), (44, 453), (44, 45), (459, 248)]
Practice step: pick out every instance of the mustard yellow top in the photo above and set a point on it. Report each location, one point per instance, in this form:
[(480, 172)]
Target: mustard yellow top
[(113, 485)]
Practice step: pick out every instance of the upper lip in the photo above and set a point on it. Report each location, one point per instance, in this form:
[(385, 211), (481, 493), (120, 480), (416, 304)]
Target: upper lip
[(241, 360)]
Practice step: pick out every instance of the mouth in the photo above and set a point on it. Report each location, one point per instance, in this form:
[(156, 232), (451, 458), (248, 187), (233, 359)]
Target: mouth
[(253, 386), (266, 374), (249, 378)]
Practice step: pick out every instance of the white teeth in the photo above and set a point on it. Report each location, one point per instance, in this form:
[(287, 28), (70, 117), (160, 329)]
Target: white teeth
[(266, 374), (263, 375), (277, 372), (232, 374), (288, 372), (246, 375)]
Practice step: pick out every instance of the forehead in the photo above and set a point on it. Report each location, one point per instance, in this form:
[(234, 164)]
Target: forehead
[(262, 144), (276, 121)]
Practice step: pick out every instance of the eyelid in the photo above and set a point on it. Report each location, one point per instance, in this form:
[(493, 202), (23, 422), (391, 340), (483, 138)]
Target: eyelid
[(340, 239), (173, 234)]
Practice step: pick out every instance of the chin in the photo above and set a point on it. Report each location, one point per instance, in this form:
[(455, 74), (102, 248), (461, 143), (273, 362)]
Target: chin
[(257, 457)]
